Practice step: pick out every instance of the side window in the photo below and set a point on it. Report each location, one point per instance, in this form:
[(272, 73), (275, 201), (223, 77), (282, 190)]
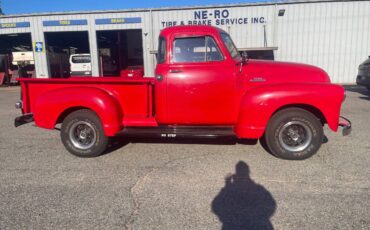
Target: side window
[(161, 56), (213, 53), (196, 49)]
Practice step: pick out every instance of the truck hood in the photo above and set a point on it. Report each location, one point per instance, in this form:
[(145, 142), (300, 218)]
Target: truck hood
[(277, 72)]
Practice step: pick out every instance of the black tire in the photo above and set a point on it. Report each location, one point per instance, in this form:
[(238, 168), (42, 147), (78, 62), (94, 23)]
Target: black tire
[(368, 88), (83, 135), (294, 134)]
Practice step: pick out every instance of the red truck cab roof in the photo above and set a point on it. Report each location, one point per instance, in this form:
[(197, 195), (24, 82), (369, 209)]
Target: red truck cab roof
[(186, 29), (172, 33)]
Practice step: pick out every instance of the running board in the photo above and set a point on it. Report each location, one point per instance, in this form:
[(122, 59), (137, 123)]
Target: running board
[(180, 131)]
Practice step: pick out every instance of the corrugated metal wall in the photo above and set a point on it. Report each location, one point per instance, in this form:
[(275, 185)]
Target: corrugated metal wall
[(244, 35), (332, 35)]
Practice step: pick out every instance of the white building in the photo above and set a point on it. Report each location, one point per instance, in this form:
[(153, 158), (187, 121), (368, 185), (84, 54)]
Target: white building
[(334, 35)]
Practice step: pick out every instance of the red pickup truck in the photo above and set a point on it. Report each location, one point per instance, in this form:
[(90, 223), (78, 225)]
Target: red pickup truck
[(202, 88)]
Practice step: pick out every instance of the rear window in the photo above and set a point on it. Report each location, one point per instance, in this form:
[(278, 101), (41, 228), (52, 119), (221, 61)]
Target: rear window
[(81, 59)]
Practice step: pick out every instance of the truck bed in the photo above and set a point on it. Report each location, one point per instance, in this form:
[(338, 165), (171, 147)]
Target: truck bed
[(135, 97)]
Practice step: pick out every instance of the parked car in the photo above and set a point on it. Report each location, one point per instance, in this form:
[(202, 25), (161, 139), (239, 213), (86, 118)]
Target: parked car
[(132, 72), (202, 88), (80, 65), (363, 77)]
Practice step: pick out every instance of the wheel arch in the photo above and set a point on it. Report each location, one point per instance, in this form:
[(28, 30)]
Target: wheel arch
[(53, 106), (310, 108), (258, 105), (68, 111), (267, 116)]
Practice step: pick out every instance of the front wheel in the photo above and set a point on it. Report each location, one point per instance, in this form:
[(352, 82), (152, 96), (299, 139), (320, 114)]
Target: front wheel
[(83, 135), (294, 134)]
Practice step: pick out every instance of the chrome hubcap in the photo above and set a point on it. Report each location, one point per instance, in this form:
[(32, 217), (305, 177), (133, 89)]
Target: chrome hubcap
[(82, 135), (295, 136)]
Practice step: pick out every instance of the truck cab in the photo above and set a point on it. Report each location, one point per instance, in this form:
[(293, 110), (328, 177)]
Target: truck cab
[(195, 70)]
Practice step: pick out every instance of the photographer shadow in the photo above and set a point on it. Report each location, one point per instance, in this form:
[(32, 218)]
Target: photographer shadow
[(243, 204)]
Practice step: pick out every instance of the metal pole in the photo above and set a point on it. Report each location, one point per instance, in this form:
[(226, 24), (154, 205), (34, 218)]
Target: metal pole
[(264, 36)]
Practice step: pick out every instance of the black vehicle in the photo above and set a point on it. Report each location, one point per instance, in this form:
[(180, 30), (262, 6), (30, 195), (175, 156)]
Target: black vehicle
[(363, 77)]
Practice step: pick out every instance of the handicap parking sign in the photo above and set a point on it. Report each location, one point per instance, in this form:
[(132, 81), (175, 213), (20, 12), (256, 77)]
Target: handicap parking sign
[(39, 47)]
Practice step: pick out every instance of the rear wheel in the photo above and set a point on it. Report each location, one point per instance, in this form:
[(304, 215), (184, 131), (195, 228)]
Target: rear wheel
[(294, 134), (83, 135)]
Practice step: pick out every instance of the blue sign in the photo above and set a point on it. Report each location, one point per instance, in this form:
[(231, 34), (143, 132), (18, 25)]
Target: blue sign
[(104, 21), (39, 47), (14, 25), (79, 22)]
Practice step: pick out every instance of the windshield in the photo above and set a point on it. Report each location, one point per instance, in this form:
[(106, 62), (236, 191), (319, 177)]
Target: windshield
[(230, 45)]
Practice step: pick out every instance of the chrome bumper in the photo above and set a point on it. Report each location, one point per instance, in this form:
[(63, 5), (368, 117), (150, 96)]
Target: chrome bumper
[(346, 125)]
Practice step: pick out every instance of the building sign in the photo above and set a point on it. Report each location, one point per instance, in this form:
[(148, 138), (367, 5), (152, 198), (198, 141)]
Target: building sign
[(104, 21), (39, 47), (215, 18), (14, 25), (79, 22)]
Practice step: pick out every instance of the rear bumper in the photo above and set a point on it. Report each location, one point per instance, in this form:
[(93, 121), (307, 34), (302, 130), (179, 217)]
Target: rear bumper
[(346, 125), (24, 119)]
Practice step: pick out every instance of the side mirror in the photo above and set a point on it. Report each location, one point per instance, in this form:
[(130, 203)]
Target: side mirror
[(244, 60), (244, 57)]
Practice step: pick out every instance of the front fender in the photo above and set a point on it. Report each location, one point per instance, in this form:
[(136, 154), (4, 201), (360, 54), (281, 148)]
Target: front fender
[(50, 105), (260, 103)]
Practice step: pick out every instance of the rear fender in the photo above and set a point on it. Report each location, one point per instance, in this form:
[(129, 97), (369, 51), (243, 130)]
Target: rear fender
[(259, 104), (50, 105)]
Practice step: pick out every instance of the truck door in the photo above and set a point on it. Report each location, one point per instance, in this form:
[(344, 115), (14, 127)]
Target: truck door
[(201, 83)]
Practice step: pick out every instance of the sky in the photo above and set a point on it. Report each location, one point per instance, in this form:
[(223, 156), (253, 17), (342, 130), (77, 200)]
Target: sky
[(39, 6)]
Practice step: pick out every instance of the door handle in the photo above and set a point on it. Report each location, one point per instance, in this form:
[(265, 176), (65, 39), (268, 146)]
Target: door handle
[(159, 77), (175, 71)]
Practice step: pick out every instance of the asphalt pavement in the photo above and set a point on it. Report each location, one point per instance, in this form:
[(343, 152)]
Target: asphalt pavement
[(183, 184)]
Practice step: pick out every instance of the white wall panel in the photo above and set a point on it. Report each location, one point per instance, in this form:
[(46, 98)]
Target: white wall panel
[(245, 35), (332, 35), (14, 30), (41, 63)]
